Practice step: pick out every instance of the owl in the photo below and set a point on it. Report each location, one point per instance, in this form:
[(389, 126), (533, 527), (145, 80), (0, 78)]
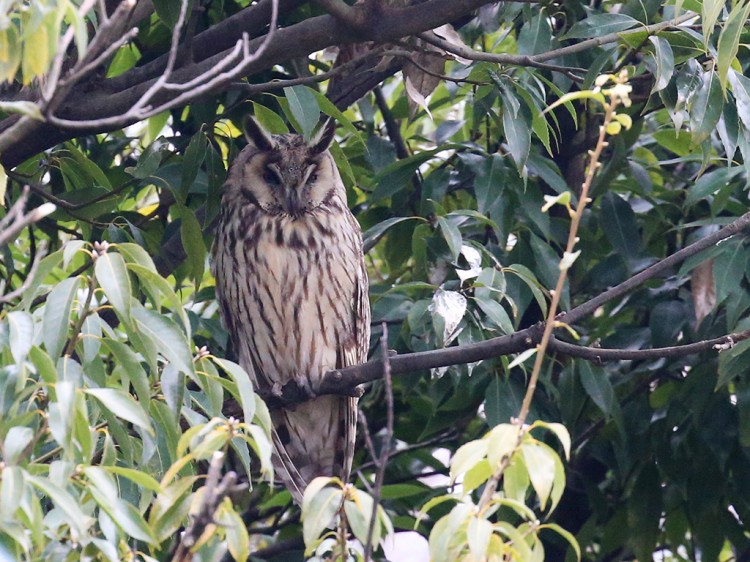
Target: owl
[(292, 288)]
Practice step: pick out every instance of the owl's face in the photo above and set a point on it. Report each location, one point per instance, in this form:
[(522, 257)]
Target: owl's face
[(283, 174)]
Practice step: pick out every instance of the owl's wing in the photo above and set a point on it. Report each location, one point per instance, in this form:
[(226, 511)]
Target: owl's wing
[(354, 355)]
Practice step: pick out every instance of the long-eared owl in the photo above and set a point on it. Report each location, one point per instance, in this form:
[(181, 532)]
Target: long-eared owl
[(292, 286)]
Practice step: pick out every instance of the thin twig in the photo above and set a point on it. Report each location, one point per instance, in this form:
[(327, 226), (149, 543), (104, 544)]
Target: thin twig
[(215, 490), (40, 253), (322, 77), (238, 58), (516, 60), (16, 220), (601, 354), (81, 317), (362, 419), (385, 447), (438, 439), (583, 200)]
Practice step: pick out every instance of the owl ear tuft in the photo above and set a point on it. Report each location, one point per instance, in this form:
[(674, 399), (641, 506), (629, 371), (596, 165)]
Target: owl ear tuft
[(257, 135), (323, 137)]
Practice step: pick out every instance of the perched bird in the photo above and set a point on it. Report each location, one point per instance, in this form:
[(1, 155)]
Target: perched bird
[(292, 287)]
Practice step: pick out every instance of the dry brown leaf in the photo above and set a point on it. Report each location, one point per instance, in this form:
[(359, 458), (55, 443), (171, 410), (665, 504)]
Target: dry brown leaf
[(703, 289)]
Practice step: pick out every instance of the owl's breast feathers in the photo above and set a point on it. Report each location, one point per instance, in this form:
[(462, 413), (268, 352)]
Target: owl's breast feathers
[(291, 291)]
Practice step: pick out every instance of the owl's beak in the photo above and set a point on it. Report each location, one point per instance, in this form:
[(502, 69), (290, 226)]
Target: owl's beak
[(292, 202)]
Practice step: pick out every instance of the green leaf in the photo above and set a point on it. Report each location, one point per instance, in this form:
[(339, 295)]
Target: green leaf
[(321, 509), (705, 107), (497, 314), (269, 120), (327, 107), (597, 386), (729, 267), (78, 22), (3, 184), (729, 39), (710, 12), (358, 515), (57, 316), (396, 491), (121, 404), (91, 169), (478, 535), (528, 277), (620, 225), (540, 464), (535, 36), (126, 358), (169, 10), (155, 284), (568, 536), (244, 386), (741, 90), (597, 25), (70, 250), (192, 240), (452, 236), (141, 478), (11, 490), (16, 440), (128, 518), (113, 278), (477, 475), (503, 440), (76, 519), (490, 182), (710, 183), (393, 177), (304, 107), (664, 59), (733, 362), (518, 135), (133, 253), (168, 338), (375, 233), (149, 161), (644, 511), (238, 539), (195, 153), (21, 334), (467, 456), (559, 430)]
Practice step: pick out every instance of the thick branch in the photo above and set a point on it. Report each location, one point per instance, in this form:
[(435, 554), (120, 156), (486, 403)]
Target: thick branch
[(344, 381), (115, 96)]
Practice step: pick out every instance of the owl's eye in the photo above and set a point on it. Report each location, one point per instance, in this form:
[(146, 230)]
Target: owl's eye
[(270, 178), (312, 178)]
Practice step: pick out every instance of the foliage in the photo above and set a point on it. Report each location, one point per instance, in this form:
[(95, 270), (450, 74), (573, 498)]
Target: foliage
[(117, 384)]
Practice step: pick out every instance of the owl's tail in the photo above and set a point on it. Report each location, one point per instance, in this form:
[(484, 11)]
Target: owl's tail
[(316, 438)]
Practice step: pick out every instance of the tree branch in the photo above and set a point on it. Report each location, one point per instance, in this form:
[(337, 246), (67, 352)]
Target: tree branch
[(16, 220), (104, 99), (350, 15), (658, 268), (598, 354), (344, 381), (385, 446)]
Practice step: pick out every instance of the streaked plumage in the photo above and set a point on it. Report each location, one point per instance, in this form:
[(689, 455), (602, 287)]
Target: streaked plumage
[(292, 285)]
